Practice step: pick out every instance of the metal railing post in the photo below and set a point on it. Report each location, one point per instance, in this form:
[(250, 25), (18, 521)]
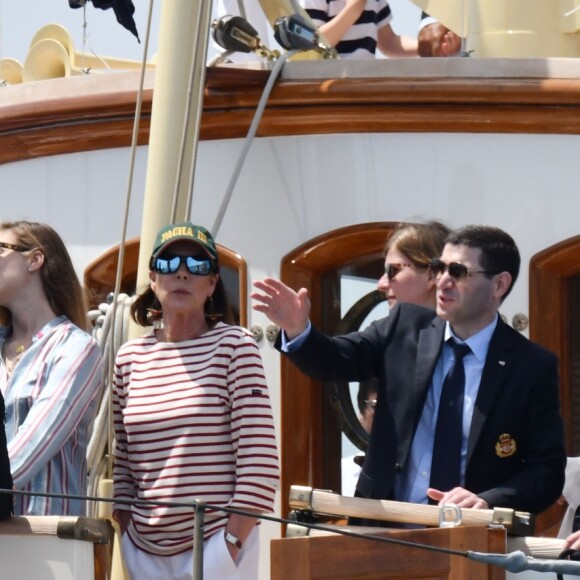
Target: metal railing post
[(198, 521)]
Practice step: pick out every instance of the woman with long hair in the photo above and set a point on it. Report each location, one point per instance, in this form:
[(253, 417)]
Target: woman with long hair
[(50, 371), (407, 278), (408, 254)]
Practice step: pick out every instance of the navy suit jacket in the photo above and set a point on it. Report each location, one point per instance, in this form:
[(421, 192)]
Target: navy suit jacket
[(516, 456)]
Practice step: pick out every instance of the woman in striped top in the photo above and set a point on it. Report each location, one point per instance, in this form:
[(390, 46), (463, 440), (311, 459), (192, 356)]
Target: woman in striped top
[(192, 421), (50, 370)]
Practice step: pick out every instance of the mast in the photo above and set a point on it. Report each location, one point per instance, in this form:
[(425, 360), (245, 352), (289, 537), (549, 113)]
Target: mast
[(177, 103)]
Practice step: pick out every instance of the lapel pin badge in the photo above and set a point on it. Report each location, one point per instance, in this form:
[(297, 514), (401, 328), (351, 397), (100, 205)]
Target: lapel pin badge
[(501, 362), (506, 446)]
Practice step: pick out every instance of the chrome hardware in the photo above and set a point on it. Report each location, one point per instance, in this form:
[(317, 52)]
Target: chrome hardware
[(301, 497), (520, 322), (257, 333), (272, 332), (449, 516), (517, 523)]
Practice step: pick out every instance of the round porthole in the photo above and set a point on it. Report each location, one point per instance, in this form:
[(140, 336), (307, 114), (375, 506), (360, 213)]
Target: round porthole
[(340, 393)]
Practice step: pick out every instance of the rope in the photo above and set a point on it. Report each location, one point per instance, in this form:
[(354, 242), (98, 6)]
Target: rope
[(230, 510), (567, 555), (514, 562), (109, 350), (105, 317), (519, 562), (110, 331), (250, 137)]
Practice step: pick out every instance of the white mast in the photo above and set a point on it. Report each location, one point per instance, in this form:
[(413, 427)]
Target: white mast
[(183, 38)]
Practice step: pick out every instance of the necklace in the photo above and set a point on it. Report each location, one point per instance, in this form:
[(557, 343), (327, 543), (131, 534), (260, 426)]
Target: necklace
[(12, 360), (12, 356)]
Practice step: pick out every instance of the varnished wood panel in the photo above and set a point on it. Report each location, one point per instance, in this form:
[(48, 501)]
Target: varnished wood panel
[(82, 114), (302, 440), (549, 314), (346, 558), (549, 309)]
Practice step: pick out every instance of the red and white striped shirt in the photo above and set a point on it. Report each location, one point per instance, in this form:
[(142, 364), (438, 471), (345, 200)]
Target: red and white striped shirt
[(192, 421)]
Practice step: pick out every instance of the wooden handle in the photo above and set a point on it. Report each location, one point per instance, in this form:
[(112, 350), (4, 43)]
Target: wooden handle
[(329, 503), (393, 511)]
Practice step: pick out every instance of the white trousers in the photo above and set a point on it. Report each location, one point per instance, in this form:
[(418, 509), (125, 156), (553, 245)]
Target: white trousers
[(217, 562)]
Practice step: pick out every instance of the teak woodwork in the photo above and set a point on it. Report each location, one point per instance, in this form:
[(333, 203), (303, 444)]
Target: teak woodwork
[(97, 111), (344, 558)]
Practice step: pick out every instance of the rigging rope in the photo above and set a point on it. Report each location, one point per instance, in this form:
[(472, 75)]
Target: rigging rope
[(111, 327), (109, 347), (514, 562), (250, 137)]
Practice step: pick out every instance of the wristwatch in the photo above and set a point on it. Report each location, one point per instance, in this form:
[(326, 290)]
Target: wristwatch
[(233, 540)]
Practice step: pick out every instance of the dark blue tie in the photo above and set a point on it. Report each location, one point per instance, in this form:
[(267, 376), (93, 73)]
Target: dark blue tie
[(446, 463)]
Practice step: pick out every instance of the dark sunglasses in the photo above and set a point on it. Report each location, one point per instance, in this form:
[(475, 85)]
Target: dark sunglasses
[(391, 270), (13, 247), (170, 264), (456, 270)]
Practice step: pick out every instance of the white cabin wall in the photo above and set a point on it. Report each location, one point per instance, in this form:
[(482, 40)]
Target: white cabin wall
[(292, 189), (81, 195), (525, 184)]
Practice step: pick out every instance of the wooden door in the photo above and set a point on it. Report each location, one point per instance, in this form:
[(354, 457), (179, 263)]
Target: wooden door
[(310, 438)]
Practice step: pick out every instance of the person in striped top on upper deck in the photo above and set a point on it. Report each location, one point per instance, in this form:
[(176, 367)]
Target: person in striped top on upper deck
[(358, 28), (192, 420)]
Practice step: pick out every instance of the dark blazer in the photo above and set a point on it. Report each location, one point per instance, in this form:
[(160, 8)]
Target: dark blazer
[(516, 456), (5, 475)]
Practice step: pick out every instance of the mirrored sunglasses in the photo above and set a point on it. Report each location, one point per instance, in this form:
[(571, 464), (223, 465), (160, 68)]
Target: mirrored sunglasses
[(171, 264), (391, 270), (457, 270)]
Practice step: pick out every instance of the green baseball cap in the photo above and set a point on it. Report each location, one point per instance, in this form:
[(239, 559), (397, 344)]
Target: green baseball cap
[(184, 231)]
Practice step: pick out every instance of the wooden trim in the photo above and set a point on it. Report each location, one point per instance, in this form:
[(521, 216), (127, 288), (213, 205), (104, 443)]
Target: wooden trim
[(96, 112), (98, 531), (339, 557), (100, 275), (232, 260), (302, 398), (549, 313), (549, 309)]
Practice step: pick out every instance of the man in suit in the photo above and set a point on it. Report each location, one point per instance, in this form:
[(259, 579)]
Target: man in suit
[(512, 443)]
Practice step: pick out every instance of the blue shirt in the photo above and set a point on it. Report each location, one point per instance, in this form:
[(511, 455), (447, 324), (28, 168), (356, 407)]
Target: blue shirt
[(51, 400), (412, 483)]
